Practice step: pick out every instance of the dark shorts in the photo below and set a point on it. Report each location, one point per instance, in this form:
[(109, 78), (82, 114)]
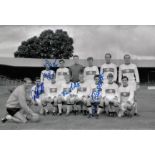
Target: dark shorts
[(12, 111)]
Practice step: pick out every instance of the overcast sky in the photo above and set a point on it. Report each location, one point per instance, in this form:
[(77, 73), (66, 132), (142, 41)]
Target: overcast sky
[(139, 41)]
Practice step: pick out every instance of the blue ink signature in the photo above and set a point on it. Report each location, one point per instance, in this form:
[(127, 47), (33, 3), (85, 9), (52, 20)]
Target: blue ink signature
[(39, 89), (48, 76), (51, 64), (72, 87), (95, 94)]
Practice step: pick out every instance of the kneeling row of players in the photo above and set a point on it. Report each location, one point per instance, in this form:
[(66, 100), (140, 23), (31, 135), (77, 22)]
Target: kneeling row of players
[(89, 98)]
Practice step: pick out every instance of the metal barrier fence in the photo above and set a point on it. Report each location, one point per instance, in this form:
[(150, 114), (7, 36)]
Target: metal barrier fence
[(5, 81)]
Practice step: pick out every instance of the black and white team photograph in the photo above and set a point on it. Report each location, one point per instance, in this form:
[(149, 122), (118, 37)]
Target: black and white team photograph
[(81, 77)]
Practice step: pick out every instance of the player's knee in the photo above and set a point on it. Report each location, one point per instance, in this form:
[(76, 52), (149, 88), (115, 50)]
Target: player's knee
[(88, 104), (129, 107), (49, 99), (59, 99), (76, 99), (123, 106), (84, 100), (116, 104), (55, 99), (101, 104), (102, 100), (106, 103)]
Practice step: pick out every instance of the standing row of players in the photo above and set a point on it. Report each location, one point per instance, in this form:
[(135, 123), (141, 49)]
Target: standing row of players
[(93, 91), (127, 69)]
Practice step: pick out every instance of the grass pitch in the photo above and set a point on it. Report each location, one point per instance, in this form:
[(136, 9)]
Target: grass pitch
[(146, 120)]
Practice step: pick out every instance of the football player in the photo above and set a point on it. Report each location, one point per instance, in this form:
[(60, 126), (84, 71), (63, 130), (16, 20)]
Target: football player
[(109, 98), (47, 75), (17, 104), (83, 91), (90, 71), (51, 95), (107, 68), (67, 95), (95, 96), (130, 70), (126, 98), (61, 72), (37, 95)]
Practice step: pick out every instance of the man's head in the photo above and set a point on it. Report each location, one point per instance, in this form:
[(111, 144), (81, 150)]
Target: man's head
[(96, 78), (81, 77), (108, 58), (127, 59), (125, 81), (76, 59), (67, 78), (90, 61), (62, 63), (37, 81), (110, 78), (47, 66), (27, 83)]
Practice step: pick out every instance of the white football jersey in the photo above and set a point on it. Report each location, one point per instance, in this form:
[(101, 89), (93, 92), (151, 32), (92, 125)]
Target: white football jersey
[(52, 89), (89, 73), (108, 68), (110, 91), (130, 71), (66, 89), (126, 94), (60, 74), (47, 76), (83, 89)]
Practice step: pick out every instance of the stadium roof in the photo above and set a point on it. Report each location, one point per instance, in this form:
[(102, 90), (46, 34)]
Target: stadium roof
[(29, 62)]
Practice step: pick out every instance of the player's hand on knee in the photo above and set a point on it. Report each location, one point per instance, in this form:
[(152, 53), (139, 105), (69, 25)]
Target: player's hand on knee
[(44, 104)]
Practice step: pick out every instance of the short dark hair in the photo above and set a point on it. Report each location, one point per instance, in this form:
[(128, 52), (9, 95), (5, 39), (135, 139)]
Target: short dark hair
[(75, 56), (90, 58), (127, 55), (125, 77), (96, 75), (61, 60), (108, 54)]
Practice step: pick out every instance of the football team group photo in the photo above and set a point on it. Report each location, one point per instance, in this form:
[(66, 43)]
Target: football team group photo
[(54, 82)]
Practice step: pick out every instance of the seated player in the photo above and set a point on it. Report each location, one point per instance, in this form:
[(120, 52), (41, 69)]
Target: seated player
[(83, 91), (67, 95), (61, 72), (17, 105), (37, 95), (95, 96), (51, 95), (109, 97), (126, 98)]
